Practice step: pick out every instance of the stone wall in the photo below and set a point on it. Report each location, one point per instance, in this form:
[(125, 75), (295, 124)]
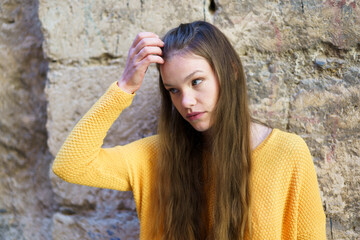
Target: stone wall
[(302, 64), (26, 198)]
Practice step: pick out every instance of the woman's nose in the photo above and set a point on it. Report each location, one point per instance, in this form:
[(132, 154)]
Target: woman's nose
[(188, 100)]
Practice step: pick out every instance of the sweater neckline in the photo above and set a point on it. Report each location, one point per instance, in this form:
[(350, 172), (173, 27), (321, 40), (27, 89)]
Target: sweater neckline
[(264, 143)]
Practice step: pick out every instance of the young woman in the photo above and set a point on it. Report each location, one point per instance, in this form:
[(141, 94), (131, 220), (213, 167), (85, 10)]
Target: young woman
[(210, 173)]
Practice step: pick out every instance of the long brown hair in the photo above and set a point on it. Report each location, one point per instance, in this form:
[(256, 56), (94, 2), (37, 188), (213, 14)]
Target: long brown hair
[(180, 196)]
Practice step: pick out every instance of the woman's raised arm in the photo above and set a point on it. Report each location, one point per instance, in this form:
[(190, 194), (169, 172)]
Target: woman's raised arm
[(81, 159)]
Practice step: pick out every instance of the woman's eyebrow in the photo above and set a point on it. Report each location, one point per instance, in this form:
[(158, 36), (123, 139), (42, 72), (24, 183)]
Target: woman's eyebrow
[(186, 78), (191, 74)]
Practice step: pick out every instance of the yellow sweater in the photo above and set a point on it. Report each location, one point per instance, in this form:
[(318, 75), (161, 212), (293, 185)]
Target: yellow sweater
[(285, 195)]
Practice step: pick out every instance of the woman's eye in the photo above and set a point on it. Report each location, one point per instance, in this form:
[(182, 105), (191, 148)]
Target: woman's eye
[(196, 82), (173, 90)]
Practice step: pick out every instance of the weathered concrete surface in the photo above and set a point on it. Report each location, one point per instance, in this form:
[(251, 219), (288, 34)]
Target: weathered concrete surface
[(26, 203), (301, 60)]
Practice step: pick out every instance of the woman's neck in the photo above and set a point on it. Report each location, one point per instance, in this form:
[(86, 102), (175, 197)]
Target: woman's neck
[(258, 133)]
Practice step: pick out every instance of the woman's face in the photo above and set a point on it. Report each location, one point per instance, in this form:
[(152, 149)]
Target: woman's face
[(193, 87)]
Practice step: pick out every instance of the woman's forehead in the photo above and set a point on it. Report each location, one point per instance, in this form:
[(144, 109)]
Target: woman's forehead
[(180, 68)]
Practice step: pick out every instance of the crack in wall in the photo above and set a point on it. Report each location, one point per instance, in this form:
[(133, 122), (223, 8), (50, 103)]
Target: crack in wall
[(302, 6), (212, 8)]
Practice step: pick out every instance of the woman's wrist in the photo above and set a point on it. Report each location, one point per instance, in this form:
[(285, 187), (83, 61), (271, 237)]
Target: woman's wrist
[(124, 87)]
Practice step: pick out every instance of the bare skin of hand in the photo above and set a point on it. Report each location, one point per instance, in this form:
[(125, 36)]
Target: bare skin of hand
[(145, 49)]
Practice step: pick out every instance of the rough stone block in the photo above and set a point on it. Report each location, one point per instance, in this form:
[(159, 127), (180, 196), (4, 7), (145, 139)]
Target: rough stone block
[(268, 90), (69, 227), (326, 113), (276, 26), (25, 192), (107, 27), (327, 109)]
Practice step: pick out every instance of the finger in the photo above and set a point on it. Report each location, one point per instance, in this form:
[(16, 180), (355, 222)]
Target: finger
[(148, 51), (148, 42), (144, 64), (141, 36)]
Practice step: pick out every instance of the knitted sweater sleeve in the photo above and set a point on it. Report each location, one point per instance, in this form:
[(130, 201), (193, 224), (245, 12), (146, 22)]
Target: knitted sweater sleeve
[(81, 160), (311, 218)]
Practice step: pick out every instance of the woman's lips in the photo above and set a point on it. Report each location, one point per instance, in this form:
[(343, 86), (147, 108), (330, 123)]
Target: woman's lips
[(194, 115)]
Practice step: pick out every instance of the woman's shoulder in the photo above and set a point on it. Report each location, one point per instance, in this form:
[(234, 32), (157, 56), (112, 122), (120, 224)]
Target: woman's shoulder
[(280, 144), (288, 140)]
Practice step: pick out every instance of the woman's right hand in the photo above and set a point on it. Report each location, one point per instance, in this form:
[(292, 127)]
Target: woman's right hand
[(145, 49)]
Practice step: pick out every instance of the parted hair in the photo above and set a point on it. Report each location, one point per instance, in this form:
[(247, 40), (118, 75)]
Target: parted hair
[(181, 207)]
